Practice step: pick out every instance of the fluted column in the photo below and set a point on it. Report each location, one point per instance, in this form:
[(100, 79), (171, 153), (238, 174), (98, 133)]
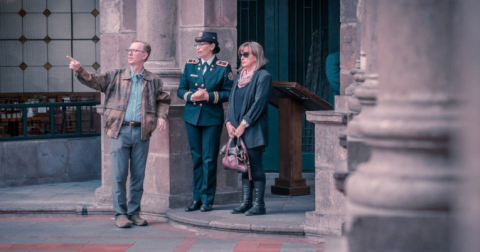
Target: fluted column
[(399, 200), (365, 92), (467, 159), (157, 23)]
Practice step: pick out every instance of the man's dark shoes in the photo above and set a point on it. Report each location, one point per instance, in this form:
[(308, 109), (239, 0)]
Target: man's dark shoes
[(206, 208), (194, 206), (123, 222), (137, 220)]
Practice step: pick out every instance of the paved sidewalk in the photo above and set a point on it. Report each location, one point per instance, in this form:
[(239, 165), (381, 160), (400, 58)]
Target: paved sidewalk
[(46, 232), (285, 215)]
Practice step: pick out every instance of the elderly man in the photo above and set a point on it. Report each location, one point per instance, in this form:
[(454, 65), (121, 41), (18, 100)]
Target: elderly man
[(135, 105)]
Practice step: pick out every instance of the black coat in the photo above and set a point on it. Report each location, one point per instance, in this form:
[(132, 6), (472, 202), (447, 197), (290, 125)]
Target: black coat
[(254, 109)]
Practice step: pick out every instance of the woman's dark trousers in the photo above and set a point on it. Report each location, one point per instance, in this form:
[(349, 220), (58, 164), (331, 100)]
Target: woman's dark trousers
[(204, 145)]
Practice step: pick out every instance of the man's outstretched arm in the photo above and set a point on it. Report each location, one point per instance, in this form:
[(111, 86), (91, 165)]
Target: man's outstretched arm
[(98, 82)]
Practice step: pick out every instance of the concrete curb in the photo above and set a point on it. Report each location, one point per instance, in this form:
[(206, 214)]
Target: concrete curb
[(215, 222)]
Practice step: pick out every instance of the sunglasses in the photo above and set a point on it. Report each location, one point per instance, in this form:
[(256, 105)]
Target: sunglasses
[(245, 55)]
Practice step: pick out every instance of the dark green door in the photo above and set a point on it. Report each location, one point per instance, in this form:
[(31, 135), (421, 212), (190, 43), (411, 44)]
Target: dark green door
[(297, 36)]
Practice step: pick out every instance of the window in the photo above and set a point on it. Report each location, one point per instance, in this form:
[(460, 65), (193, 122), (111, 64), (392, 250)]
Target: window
[(35, 37)]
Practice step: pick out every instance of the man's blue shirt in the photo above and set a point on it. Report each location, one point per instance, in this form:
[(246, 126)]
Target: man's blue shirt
[(134, 106)]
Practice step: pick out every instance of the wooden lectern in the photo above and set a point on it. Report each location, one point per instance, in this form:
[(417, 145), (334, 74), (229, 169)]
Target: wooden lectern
[(292, 100)]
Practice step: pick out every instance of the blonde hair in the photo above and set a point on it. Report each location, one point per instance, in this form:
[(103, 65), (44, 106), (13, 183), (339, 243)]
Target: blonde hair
[(256, 50)]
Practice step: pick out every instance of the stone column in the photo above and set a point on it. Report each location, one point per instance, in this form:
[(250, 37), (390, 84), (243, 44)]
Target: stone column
[(157, 23), (366, 91), (208, 15), (118, 29), (467, 144), (169, 177), (400, 199), (330, 207)]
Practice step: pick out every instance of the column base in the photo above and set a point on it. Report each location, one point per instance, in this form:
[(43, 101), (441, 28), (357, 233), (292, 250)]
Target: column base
[(400, 233), (319, 224)]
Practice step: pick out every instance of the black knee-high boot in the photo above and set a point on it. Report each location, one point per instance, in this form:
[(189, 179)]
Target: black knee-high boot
[(247, 197), (258, 199)]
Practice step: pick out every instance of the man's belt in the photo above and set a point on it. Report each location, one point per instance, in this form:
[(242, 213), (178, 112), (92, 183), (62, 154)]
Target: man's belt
[(132, 124)]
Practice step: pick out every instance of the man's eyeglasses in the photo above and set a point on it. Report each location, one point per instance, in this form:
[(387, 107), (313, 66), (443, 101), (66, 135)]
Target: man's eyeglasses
[(133, 50), (199, 44), (245, 55)]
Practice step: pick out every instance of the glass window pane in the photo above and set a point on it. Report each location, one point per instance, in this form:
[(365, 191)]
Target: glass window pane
[(83, 6), (83, 26), (97, 26), (34, 5), (84, 52), (35, 26), (60, 26), (35, 53), (60, 79), (57, 52), (35, 79), (59, 5), (97, 52), (10, 53), (10, 6), (11, 79), (10, 26)]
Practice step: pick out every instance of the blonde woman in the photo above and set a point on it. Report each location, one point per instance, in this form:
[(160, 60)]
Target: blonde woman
[(247, 118)]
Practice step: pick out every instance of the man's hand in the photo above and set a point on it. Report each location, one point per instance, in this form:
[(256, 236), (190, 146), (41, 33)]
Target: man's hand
[(74, 64), (230, 130), (161, 124)]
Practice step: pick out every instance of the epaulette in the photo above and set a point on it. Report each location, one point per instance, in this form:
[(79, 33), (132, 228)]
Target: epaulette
[(193, 61), (222, 63)]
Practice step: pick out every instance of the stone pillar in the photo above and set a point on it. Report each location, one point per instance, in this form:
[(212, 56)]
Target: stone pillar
[(208, 15), (117, 30), (330, 207), (168, 27), (348, 41), (367, 86), (400, 199), (467, 63), (157, 23)]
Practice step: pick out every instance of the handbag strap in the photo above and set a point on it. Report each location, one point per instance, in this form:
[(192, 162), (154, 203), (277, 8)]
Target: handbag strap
[(227, 146), (247, 159)]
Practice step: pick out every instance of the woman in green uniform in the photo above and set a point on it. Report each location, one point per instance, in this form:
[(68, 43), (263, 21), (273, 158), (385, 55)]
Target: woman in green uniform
[(205, 84)]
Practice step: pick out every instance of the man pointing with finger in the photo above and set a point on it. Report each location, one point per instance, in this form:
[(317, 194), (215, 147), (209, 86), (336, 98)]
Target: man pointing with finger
[(135, 105)]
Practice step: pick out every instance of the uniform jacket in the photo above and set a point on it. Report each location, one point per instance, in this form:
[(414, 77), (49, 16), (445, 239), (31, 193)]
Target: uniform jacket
[(117, 86), (218, 82), (254, 109)]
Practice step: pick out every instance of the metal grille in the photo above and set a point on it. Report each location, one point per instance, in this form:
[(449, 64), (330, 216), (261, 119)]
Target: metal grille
[(307, 46), (307, 52), (250, 14)]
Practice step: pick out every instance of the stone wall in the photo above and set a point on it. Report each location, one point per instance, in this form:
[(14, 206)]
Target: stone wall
[(49, 161)]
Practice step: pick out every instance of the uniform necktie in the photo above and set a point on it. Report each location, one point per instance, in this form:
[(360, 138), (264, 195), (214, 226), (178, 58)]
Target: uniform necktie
[(205, 68)]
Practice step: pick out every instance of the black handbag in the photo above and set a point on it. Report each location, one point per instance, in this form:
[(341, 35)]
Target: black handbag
[(236, 158)]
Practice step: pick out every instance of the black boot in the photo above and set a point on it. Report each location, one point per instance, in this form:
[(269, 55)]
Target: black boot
[(247, 197), (258, 199)]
